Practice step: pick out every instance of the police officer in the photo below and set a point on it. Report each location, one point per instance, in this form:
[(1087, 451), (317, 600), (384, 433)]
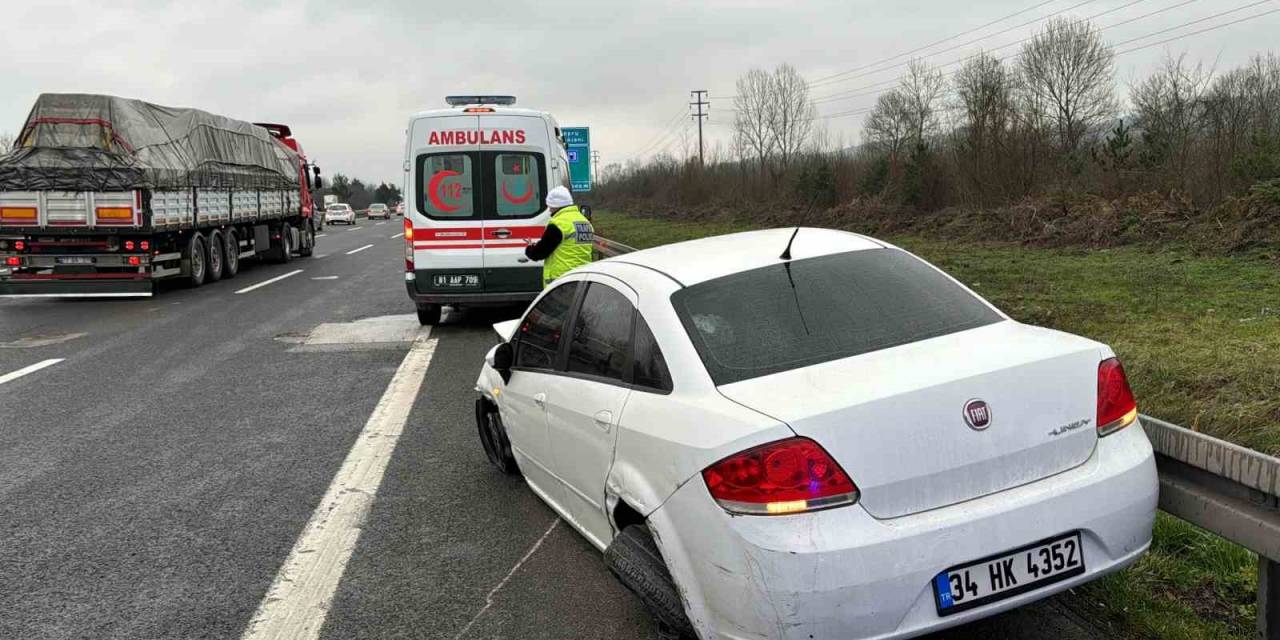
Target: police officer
[(567, 241)]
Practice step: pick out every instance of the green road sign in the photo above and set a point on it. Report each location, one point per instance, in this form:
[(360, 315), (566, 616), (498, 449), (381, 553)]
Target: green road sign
[(578, 140)]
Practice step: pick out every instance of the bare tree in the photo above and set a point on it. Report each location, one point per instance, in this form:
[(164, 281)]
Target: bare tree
[(1069, 70), (792, 114), (986, 107), (922, 88), (1170, 110), (753, 106), (888, 126), (6, 142)]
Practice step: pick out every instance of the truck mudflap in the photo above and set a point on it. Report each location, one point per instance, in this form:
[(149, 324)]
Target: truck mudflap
[(76, 287)]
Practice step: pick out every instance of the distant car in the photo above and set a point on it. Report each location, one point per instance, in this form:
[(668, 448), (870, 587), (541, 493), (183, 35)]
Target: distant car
[(340, 212), (378, 210), (400, 209), (805, 433)]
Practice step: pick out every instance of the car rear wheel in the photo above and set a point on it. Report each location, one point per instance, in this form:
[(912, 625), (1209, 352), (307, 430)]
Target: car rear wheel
[(493, 437), (635, 560), (429, 314), (216, 262)]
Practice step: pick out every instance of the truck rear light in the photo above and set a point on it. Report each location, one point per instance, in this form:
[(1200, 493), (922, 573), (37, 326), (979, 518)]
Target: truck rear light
[(145, 245), (18, 214), (19, 245), (788, 476), (1117, 407), (116, 214), (129, 245), (134, 261), (13, 261)]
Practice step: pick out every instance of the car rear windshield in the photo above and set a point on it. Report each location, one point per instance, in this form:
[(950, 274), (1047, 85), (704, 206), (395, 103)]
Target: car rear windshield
[(805, 312)]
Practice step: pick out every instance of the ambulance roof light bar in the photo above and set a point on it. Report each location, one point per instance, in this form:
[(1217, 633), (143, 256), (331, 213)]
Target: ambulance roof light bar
[(460, 101)]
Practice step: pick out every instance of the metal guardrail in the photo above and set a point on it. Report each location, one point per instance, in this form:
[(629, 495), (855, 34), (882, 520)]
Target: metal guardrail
[(1221, 487)]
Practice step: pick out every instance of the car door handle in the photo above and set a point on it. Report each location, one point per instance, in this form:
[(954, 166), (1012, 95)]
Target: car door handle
[(604, 420), (522, 259), (502, 233), (540, 400)]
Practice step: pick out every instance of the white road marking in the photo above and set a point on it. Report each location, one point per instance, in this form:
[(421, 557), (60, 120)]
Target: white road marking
[(380, 223), (299, 599), (359, 249), (488, 600), (267, 282), (323, 255), (325, 278), (355, 228), (398, 235), (321, 235), (9, 377)]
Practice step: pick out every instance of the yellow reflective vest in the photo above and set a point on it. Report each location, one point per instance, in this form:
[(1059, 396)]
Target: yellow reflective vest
[(577, 239)]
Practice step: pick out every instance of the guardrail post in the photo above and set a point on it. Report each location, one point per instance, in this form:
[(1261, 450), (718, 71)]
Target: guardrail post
[(1268, 599)]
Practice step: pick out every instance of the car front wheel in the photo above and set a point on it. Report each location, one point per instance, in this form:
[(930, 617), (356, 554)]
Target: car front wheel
[(493, 437)]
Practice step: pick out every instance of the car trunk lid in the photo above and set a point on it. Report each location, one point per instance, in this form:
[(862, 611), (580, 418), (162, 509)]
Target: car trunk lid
[(895, 419)]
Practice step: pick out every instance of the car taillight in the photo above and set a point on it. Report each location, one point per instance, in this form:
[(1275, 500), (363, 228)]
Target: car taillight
[(787, 476), (1117, 408)]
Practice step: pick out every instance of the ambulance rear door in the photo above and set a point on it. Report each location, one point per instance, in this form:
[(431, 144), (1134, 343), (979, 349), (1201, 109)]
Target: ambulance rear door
[(517, 159), (446, 205)]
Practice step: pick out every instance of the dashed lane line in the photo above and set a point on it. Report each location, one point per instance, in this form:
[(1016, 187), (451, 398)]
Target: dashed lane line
[(31, 369), (321, 235), (359, 249), (270, 281), (398, 235), (325, 278), (299, 599)]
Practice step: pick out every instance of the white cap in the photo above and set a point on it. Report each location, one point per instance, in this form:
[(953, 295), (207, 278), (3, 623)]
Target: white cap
[(559, 198)]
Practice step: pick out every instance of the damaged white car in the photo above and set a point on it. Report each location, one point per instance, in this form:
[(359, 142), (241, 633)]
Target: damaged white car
[(804, 433)]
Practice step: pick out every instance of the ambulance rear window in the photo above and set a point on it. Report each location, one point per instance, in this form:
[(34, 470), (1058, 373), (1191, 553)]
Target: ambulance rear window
[(517, 182), (446, 185)]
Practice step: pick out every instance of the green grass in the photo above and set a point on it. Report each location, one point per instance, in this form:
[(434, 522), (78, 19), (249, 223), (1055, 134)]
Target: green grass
[(1200, 340)]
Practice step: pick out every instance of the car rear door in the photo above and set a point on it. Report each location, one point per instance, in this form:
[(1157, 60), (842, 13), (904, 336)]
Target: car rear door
[(445, 207), (514, 174), (586, 401)]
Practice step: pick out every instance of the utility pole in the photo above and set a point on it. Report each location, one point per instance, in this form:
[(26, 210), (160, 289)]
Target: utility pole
[(698, 96), (595, 166)]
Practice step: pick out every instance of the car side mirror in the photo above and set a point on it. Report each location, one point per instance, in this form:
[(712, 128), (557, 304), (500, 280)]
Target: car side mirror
[(586, 211), (501, 358)]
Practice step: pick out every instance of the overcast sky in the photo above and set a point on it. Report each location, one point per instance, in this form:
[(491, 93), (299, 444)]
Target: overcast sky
[(346, 75)]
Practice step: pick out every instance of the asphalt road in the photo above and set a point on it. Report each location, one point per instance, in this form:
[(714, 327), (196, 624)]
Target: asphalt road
[(154, 481)]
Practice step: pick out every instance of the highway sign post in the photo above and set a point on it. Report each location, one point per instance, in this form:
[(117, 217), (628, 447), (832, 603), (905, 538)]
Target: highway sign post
[(578, 141)]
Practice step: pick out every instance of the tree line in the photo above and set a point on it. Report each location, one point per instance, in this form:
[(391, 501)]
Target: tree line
[(359, 194), (1047, 121)]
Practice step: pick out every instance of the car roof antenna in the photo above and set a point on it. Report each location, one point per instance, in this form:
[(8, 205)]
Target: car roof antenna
[(786, 253)]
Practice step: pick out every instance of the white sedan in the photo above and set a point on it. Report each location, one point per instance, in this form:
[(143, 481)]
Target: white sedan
[(339, 212), (833, 441)]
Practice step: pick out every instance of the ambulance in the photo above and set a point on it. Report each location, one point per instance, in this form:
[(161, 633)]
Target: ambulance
[(476, 177)]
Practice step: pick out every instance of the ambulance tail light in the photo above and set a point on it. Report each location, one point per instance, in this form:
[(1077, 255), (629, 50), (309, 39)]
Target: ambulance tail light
[(408, 245), (478, 110)]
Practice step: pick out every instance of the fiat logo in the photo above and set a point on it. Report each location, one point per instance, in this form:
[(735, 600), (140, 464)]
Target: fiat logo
[(977, 414)]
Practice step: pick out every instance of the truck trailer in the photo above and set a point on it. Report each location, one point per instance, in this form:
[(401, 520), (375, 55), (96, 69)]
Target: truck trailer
[(106, 196)]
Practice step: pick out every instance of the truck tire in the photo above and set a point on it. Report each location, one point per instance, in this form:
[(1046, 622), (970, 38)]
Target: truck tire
[(493, 438), (217, 256), (197, 260), (429, 314), (308, 242), (635, 560), (284, 253), (230, 254)]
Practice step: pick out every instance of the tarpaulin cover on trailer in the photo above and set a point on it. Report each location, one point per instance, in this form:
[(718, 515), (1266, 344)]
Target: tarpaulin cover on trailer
[(83, 142)]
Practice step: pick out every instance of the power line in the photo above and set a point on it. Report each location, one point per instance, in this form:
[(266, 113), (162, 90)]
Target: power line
[(1131, 40), (851, 73), (825, 79), (662, 133), (861, 91)]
